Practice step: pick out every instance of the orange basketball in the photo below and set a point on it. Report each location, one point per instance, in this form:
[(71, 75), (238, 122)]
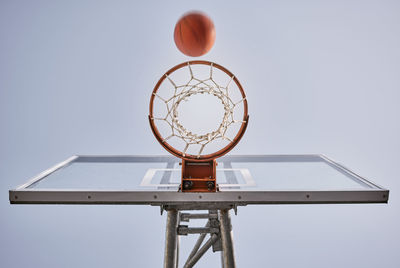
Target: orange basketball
[(194, 34)]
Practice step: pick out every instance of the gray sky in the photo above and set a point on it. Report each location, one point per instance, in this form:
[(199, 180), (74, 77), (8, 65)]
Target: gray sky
[(320, 76)]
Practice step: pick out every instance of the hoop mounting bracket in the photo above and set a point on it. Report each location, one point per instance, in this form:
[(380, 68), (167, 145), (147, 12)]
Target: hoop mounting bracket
[(199, 176)]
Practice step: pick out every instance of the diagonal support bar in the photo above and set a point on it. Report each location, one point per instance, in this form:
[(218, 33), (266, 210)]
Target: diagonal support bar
[(191, 262), (197, 245)]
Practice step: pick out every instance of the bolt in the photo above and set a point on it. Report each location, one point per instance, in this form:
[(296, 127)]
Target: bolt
[(187, 185), (210, 185)]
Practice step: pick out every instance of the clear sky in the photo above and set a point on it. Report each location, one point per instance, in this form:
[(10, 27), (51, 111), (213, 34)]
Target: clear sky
[(320, 76)]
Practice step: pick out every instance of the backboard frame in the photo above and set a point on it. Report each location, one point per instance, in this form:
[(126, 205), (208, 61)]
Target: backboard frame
[(25, 195)]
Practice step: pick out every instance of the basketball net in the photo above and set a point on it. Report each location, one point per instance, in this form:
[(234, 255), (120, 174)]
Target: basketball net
[(183, 93)]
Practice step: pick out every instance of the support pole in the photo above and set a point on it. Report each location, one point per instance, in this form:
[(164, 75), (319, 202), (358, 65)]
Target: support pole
[(178, 240), (228, 256), (170, 254)]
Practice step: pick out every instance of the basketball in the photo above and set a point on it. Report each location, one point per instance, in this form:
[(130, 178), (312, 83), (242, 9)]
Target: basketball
[(194, 34)]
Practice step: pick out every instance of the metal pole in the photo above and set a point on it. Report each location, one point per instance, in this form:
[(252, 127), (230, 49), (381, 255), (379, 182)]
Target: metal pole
[(178, 240), (228, 255), (170, 254), (191, 262)]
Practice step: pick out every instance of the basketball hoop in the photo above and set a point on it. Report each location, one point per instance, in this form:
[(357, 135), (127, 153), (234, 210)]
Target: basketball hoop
[(198, 151)]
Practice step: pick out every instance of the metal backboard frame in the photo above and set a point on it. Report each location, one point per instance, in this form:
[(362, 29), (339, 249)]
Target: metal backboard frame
[(26, 194)]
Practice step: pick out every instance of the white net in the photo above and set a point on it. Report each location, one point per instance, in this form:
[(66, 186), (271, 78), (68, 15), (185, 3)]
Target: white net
[(198, 109)]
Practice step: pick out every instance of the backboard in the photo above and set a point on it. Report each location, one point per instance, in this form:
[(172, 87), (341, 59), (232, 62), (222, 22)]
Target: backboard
[(154, 180)]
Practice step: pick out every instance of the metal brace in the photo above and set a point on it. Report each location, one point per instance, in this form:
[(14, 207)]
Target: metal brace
[(187, 216), (162, 208), (185, 230)]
